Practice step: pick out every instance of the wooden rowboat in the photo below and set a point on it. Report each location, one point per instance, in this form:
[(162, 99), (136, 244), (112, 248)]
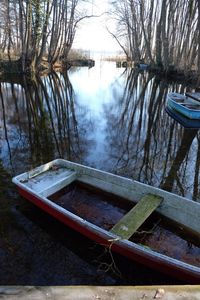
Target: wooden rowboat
[(184, 105), (146, 224)]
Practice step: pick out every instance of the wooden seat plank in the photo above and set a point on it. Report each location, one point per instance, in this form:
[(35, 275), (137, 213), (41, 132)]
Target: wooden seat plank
[(129, 224), (195, 96)]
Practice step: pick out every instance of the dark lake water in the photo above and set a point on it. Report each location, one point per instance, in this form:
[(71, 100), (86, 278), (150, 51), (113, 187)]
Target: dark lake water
[(105, 117)]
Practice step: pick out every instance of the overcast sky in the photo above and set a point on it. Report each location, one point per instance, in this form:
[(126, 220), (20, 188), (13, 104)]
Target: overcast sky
[(92, 34)]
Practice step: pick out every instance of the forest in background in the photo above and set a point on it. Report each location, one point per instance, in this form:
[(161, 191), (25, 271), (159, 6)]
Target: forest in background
[(34, 30), (163, 33)]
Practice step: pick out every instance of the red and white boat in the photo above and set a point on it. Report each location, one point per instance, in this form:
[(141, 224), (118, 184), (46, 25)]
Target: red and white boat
[(151, 226)]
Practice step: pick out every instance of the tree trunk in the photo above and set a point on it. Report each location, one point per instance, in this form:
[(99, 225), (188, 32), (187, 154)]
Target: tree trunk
[(158, 45), (198, 62), (44, 34), (164, 36), (147, 42)]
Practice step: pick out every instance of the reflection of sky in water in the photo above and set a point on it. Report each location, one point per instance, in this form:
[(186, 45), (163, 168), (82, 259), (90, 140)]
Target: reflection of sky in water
[(108, 118), (94, 88)]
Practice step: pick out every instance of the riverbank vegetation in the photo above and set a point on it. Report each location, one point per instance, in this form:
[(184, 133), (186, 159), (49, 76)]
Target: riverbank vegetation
[(36, 34), (163, 33)]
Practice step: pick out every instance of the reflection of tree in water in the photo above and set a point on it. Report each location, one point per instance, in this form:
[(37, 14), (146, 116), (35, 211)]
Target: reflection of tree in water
[(181, 155), (148, 145), (41, 120)]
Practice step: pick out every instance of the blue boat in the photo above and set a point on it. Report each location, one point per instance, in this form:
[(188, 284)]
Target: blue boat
[(182, 120), (185, 105)]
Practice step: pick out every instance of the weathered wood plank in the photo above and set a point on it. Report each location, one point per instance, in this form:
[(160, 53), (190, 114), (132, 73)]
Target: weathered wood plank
[(180, 292), (136, 216)]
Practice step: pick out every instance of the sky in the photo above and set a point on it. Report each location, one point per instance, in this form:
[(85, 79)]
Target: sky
[(92, 34)]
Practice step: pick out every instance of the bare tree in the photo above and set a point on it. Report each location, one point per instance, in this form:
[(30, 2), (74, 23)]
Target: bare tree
[(37, 28), (165, 32)]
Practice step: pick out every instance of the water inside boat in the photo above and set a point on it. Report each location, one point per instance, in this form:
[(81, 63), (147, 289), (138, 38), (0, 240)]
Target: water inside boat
[(105, 210), (99, 208)]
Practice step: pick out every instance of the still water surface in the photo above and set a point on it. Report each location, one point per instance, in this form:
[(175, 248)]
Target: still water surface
[(106, 117)]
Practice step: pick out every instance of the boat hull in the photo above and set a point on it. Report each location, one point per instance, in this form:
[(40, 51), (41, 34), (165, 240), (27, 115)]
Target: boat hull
[(129, 250), (68, 172), (184, 106), (181, 119)]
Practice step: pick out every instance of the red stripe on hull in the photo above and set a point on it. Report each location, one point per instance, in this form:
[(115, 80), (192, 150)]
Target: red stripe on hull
[(132, 253)]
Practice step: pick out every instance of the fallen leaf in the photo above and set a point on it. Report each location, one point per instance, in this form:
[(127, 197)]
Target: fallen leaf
[(159, 293)]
